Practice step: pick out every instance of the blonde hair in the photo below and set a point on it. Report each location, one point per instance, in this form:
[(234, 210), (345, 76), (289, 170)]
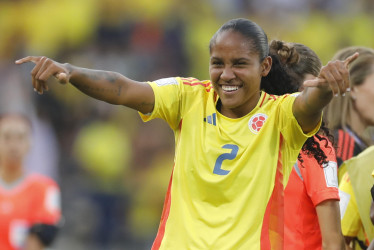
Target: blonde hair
[(336, 113)]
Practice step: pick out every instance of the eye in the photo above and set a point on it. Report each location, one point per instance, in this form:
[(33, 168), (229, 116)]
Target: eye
[(241, 63), (216, 62)]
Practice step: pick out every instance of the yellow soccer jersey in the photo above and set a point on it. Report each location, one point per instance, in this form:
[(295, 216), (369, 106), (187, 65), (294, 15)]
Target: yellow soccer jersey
[(226, 189), (350, 217)]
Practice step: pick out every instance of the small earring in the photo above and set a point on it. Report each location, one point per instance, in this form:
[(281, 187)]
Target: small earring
[(353, 97)]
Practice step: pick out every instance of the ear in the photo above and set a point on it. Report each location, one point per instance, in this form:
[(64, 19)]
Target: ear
[(353, 93), (266, 66)]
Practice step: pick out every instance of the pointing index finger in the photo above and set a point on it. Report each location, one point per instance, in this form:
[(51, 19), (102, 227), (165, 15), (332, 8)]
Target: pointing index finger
[(26, 59), (350, 59), (314, 82)]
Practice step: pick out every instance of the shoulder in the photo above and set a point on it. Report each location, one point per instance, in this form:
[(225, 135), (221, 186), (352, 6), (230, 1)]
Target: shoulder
[(182, 84), (194, 83), (267, 98), (277, 103), (40, 181), (188, 81), (326, 146)]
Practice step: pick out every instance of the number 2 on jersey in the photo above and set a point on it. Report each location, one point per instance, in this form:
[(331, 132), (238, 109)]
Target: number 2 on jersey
[(226, 156)]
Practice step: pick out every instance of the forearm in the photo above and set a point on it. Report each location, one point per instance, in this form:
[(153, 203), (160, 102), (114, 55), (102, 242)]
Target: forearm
[(335, 242), (107, 86), (308, 106), (316, 98), (113, 88), (102, 85), (328, 213)]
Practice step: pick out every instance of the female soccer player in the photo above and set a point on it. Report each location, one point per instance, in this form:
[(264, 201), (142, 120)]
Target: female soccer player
[(235, 145), (312, 216), (26, 201), (348, 117), (355, 187)]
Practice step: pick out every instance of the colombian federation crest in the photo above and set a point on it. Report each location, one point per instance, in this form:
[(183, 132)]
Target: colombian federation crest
[(256, 122)]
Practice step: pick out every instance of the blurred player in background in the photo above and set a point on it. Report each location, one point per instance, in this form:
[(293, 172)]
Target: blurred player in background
[(312, 216), (349, 117), (29, 204), (235, 145), (356, 202)]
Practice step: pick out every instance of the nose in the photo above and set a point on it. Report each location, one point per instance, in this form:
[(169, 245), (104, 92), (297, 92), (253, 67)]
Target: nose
[(227, 74)]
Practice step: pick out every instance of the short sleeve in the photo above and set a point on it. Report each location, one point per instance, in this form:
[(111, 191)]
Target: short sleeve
[(321, 181), (289, 126), (167, 93), (49, 209)]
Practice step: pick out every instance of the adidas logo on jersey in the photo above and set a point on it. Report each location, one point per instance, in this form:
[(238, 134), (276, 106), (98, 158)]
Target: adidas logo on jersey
[(211, 119)]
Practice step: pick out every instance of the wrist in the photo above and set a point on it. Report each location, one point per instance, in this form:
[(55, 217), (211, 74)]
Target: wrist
[(69, 71)]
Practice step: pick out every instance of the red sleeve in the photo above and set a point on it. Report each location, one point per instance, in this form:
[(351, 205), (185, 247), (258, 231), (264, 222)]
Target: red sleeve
[(321, 182), (48, 206)]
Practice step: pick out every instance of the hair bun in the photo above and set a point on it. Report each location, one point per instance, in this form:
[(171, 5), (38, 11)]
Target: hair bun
[(286, 52)]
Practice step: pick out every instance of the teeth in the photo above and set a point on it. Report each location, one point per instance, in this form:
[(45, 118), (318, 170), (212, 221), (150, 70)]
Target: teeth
[(229, 88)]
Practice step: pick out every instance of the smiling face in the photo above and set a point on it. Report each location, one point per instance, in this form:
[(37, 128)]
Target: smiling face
[(235, 71)]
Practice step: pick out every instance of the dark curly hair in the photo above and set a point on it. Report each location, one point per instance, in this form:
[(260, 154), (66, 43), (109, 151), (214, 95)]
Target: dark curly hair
[(291, 63)]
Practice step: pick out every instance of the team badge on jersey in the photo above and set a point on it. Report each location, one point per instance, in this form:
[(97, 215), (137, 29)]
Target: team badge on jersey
[(256, 122)]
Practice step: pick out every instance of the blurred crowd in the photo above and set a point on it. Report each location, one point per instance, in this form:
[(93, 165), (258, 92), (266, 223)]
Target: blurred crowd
[(113, 169)]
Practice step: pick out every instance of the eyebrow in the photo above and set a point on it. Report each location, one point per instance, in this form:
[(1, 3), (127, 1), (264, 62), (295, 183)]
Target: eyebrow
[(242, 59), (235, 59)]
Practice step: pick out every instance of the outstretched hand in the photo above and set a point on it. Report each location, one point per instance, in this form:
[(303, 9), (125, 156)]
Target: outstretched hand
[(335, 75), (43, 70)]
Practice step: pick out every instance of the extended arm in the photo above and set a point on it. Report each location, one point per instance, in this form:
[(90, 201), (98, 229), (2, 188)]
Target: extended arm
[(328, 213), (107, 86), (332, 80)]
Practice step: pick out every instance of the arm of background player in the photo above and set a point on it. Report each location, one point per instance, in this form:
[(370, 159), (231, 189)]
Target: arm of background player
[(107, 86), (332, 80), (328, 213)]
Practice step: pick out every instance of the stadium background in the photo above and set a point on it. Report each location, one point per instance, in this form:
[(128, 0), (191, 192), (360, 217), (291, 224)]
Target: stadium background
[(112, 168)]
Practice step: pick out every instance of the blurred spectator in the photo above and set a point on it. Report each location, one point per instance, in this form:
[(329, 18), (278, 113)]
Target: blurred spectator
[(103, 150), (153, 160)]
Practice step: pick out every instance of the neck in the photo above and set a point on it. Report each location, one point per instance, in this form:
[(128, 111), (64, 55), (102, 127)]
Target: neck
[(356, 123), (11, 172), (239, 111)]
